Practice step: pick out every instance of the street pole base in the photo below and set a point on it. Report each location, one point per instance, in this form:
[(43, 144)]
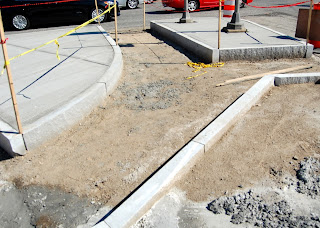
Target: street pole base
[(227, 30), (185, 20), (234, 27)]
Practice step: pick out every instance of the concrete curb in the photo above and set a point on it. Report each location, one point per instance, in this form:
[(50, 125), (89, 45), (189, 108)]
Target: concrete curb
[(198, 48), (210, 54), (296, 78), (151, 190), (70, 113)]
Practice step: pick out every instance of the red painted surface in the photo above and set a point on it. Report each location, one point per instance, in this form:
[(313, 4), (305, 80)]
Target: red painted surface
[(179, 4)]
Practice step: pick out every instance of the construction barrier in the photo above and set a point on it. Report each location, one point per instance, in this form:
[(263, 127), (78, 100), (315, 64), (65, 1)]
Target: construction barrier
[(228, 8), (200, 67), (280, 6), (302, 24)]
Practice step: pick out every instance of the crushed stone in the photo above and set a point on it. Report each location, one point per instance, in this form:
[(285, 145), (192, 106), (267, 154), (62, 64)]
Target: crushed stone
[(251, 207), (155, 95)]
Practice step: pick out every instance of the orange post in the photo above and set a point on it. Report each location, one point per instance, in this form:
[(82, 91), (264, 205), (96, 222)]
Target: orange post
[(116, 21), (144, 15), (97, 9), (309, 22), (219, 26), (8, 69)]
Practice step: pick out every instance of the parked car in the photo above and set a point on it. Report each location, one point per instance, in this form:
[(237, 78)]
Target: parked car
[(21, 14), (131, 4), (195, 4)]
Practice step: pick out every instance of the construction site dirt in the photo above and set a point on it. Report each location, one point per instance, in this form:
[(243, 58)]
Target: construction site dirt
[(155, 111)]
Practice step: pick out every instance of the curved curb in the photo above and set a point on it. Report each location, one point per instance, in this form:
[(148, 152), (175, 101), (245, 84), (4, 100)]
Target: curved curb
[(142, 199), (68, 114)]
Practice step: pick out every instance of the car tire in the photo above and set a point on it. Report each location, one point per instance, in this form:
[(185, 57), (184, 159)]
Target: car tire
[(132, 4), (193, 5), (93, 14), (20, 22)]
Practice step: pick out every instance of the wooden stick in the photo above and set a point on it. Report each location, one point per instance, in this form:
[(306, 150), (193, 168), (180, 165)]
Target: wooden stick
[(257, 76), (144, 15), (309, 22), (116, 21), (219, 27), (8, 69), (97, 11)]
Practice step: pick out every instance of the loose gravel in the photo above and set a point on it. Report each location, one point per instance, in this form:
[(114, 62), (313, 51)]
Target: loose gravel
[(156, 95), (251, 207)]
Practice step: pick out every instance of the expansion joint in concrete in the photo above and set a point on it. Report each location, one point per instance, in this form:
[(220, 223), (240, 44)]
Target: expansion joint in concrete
[(204, 145), (105, 86)]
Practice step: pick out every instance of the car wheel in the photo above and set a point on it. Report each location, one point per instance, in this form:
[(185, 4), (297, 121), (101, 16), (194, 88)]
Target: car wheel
[(132, 4), (20, 22), (93, 14), (193, 5)]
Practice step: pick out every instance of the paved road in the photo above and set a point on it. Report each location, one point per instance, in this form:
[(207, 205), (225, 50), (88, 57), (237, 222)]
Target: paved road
[(281, 19), (155, 11)]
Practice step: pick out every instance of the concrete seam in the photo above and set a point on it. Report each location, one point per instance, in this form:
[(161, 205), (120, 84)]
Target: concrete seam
[(204, 146)]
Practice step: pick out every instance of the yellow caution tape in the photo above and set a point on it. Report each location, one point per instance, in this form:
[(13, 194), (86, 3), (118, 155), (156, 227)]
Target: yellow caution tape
[(56, 40), (201, 66)]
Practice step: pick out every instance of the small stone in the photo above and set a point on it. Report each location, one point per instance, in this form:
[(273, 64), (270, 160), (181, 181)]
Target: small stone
[(295, 158)]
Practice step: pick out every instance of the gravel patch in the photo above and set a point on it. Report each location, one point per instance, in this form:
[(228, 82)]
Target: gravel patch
[(156, 95), (253, 207), (35, 206)]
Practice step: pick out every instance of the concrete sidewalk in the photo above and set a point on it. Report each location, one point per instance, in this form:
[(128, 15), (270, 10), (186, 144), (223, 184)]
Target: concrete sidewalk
[(258, 43), (52, 95)]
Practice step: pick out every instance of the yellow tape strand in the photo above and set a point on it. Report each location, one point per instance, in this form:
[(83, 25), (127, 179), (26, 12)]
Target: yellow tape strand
[(201, 66), (58, 45), (56, 40)]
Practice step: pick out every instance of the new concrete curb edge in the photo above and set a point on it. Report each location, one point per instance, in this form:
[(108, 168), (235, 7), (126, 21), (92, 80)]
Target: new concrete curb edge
[(209, 54), (144, 197), (67, 115), (196, 47)]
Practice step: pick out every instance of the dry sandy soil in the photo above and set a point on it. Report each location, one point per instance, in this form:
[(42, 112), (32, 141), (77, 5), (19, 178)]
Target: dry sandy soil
[(268, 143), (153, 112), (252, 176)]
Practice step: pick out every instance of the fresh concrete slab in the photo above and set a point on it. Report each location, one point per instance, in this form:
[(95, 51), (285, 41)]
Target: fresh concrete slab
[(144, 197), (258, 43), (53, 95)]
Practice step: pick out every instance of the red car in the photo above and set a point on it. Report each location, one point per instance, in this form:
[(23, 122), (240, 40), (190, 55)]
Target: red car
[(197, 4)]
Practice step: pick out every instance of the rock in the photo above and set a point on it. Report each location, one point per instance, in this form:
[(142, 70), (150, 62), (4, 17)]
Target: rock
[(237, 218)]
